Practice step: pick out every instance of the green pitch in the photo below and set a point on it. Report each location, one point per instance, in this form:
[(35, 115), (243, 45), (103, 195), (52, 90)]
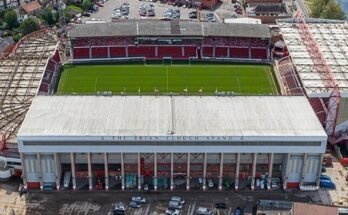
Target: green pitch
[(161, 79)]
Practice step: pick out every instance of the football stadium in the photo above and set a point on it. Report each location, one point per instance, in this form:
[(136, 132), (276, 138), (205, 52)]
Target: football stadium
[(174, 106)]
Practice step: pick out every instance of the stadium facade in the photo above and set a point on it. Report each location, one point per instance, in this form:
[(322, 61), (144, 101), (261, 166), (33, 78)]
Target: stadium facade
[(175, 39), (170, 142)]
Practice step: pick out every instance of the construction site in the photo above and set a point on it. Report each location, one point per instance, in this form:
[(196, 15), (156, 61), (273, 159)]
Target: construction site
[(23, 74)]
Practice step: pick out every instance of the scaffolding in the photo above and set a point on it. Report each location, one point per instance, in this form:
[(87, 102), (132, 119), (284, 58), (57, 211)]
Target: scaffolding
[(20, 77)]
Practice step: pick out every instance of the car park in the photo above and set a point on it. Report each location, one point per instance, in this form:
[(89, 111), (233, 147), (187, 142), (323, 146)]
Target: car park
[(138, 199), (178, 199), (220, 205), (203, 211), (134, 204), (172, 211)]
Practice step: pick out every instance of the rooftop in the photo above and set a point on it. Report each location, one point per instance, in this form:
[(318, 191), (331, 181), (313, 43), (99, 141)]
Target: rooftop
[(332, 39), (169, 28), (31, 7), (239, 116)]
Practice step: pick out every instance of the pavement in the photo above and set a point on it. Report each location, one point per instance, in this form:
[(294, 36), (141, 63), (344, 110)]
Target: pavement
[(337, 173)]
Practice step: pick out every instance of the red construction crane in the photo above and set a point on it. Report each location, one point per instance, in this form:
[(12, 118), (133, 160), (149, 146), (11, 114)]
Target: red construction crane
[(324, 72)]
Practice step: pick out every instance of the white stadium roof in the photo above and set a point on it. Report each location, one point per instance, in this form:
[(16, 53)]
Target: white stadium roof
[(332, 39), (249, 117)]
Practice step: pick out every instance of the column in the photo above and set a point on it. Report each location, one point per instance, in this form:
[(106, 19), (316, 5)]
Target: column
[(122, 171), (188, 172), (171, 171), (303, 169), (270, 170), (139, 173), (73, 171), (126, 50), (319, 170), (39, 169), (23, 171), (57, 170), (155, 171), (253, 171), (221, 170), (236, 183), (285, 177), (90, 52), (228, 52), (249, 48), (90, 182), (205, 171), (108, 51), (106, 171)]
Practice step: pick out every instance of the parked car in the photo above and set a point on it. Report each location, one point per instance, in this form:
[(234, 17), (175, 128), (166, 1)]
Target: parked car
[(119, 209), (146, 187), (134, 204), (220, 205), (210, 183), (203, 211), (327, 184), (323, 169), (172, 211), (325, 177), (238, 211), (138, 199), (178, 199), (175, 205)]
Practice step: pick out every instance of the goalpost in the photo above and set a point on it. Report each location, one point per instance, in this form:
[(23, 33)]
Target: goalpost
[(167, 61)]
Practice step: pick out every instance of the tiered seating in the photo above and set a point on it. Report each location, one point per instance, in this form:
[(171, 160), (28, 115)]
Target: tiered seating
[(190, 51), (221, 52), (141, 51), (258, 53), (111, 41), (56, 57), (288, 76), (117, 52), (99, 52), (239, 52), (170, 51), (258, 43), (208, 41), (207, 51), (81, 42), (239, 42), (80, 53), (48, 76), (43, 88)]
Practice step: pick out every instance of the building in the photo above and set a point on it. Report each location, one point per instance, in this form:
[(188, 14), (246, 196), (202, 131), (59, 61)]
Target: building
[(174, 39), (31, 8), (320, 51), (268, 12), (171, 142)]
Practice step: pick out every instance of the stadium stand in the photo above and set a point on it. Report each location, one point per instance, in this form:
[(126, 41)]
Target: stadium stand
[(179, 40)]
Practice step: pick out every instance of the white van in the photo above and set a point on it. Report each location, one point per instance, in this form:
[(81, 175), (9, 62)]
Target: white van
[(175, 204), (67, 179)]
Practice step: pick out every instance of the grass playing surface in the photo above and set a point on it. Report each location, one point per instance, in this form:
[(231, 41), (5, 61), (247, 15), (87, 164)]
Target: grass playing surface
[(148, 79)]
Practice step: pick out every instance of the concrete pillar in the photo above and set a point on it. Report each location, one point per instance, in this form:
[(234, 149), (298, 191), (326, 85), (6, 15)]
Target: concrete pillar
[(249, 48), (58, 171), (303, 168), (253, 171), (23, 171), (73, 171), (270, 170), (108, 51), (205, 171), (126, 50), (221, 170), (122, 171), (139, 173), (285, 177), (106, 170), (188, 172), (156, 51), (228, 52), (90, 52), (171, 171), (319, 170), (155, 171), (236, 182), (39, 169), (89, 162)]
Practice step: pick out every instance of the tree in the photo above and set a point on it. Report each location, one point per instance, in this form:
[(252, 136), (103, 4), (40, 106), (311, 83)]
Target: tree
[(48, 17), (333, 11), (326, 9), (87, 4), (10, 18), (29, 25)]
